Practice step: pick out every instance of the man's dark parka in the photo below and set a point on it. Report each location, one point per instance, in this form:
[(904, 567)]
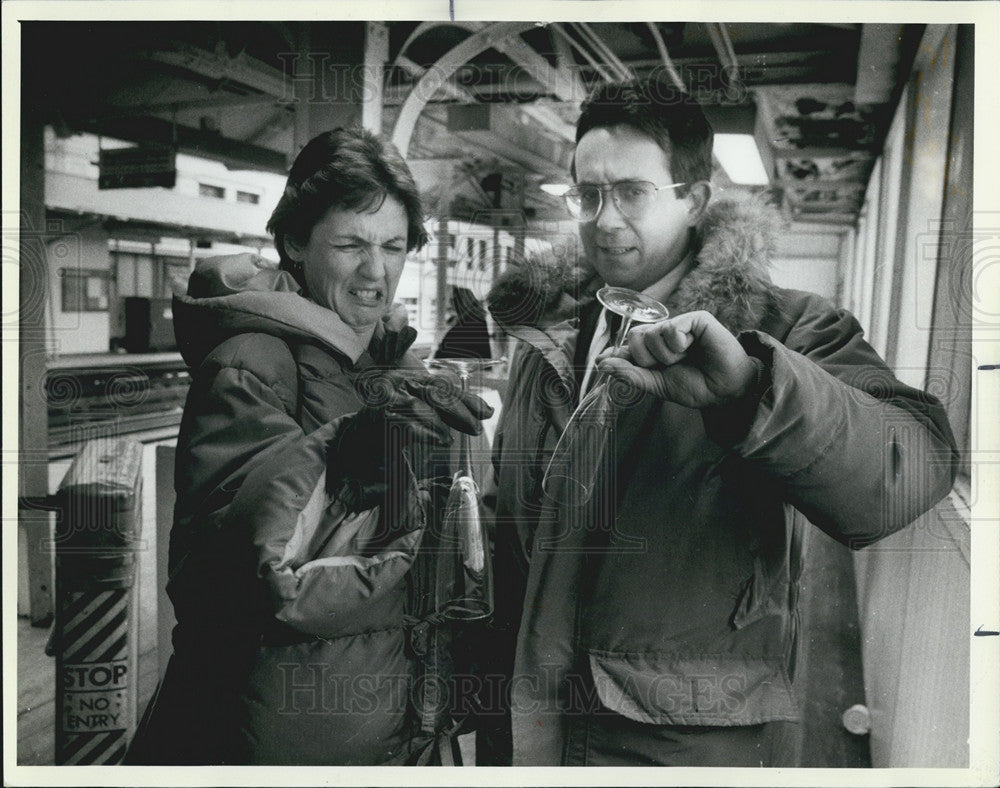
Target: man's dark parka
[(676, 586)]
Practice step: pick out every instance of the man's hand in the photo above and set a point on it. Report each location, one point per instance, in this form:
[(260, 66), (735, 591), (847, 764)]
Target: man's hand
[(691, 359)]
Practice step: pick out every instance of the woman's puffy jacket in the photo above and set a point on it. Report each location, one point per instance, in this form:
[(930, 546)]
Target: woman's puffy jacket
[(292, 638)]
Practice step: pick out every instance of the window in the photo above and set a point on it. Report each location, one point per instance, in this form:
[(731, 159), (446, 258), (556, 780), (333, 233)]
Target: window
[(147, 275), (208, 190), (84, 290), (175, 276), (482, 255), (247, 197), (124, 267), (144, 277)]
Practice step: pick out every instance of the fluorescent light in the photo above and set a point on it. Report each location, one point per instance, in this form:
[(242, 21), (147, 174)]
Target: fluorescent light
[(740, 158), (555, 189)]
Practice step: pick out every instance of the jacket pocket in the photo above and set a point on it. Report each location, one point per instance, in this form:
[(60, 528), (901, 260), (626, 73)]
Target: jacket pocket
[(710, 689)]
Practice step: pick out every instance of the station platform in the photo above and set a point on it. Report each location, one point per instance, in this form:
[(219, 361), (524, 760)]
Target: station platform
[(829, 672)]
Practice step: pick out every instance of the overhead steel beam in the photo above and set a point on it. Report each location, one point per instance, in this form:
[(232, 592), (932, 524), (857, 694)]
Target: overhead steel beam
[(233, 153), (594, 63), (217, 65), (817, 66), (756, 69), (546, 117), (563, 52), (604, 51), (668, 64), (878, 56), (438, 75), (285, 31), (554, 79), (497, 145), (423, 27), (277, 120), (723, 45), (550, 120), (448, 88), (193, 100)]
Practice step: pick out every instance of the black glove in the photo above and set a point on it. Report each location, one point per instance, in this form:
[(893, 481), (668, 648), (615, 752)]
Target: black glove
[(406, 419), (390, 347)]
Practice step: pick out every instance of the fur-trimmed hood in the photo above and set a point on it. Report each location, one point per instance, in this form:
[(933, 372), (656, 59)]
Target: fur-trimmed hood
[(734, 242)]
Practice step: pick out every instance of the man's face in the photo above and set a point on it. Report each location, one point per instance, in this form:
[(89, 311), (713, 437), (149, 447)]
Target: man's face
[(353, 261), (632, 252)]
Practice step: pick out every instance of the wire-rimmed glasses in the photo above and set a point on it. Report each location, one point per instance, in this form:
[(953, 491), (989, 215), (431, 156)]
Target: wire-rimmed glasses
[(632, 198)]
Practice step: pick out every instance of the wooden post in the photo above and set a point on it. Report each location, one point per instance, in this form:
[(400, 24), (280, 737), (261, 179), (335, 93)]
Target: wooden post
[(35, 527), (376, 55), (518, 231), (443, 244), (496, 252), (322, 76), (165, 618)]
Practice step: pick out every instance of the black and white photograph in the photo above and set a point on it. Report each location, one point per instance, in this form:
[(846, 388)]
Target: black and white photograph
[(469, 384)]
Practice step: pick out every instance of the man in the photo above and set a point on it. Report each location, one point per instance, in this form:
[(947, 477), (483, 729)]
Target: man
[(656, 623)]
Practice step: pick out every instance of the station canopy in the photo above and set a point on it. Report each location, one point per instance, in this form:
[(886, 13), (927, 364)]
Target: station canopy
[(487, 104)]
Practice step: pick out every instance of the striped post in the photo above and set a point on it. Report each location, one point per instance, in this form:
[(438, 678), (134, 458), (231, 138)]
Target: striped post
[(95, 637)]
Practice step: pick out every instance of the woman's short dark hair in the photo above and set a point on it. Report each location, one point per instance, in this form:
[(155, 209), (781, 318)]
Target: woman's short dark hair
[(349, 169), (665, 114)]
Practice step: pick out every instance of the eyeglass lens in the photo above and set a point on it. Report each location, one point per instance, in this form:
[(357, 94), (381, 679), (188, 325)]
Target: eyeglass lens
[(630, 197)]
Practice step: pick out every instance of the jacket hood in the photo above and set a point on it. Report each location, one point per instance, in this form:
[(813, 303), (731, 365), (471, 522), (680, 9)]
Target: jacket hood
[(246, 293), (734, 241)]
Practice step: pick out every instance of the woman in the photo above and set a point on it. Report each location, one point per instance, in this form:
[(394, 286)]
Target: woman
[(299, 514)]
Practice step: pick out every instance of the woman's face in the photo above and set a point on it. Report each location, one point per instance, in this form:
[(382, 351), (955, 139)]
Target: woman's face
[(353, 261)]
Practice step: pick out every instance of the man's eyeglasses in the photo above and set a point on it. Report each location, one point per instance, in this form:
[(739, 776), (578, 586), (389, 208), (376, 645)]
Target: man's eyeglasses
[(632, 198)]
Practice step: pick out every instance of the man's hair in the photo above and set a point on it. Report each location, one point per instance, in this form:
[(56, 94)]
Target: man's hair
[(665, 114), (348, 169)]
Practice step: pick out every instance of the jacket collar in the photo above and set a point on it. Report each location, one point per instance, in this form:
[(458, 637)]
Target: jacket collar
[(734, 243), (245, 293)]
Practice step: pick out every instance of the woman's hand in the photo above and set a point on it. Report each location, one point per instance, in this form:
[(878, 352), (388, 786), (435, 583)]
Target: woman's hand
[(408, 414), (397, 337), (425, 404), (691, 359)]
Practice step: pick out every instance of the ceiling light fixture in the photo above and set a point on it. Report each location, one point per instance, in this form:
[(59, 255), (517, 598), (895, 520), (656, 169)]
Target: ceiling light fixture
[(741, 146), (555, 189), (739, 156)]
